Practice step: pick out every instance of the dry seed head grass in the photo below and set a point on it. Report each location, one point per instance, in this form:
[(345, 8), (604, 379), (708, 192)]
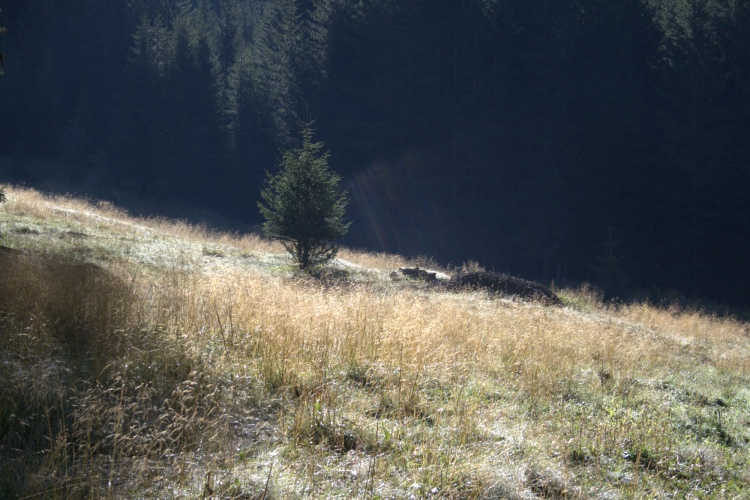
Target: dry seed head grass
[(426, 388), (91, 215)]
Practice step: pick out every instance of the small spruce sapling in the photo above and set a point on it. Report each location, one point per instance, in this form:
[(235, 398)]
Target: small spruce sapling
[(304, 207)]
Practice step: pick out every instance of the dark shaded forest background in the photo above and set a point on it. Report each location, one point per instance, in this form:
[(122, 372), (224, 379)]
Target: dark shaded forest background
[(564, 140)]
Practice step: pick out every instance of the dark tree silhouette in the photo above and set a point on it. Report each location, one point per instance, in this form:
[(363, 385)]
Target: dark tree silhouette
[(511, 132), (3, 30)]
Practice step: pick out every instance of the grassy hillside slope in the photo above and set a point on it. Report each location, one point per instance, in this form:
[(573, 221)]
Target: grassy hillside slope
[(153, 359)]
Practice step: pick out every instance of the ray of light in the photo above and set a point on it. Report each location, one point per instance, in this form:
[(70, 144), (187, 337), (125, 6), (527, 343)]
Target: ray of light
[(398, 207)]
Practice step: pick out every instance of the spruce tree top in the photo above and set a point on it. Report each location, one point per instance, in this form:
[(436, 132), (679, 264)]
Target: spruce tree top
[(304, 208)]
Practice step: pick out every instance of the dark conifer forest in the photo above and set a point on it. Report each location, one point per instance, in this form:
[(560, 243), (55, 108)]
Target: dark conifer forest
[(567, 140)]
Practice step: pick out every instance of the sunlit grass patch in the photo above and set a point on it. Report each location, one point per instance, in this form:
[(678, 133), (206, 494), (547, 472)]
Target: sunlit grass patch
[(155, 358)]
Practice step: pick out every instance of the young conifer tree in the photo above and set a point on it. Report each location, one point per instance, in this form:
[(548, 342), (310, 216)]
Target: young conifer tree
[(304, 207)]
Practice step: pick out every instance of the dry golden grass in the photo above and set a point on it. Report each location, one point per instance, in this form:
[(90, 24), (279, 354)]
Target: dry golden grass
[(151, 358), (373, 260)]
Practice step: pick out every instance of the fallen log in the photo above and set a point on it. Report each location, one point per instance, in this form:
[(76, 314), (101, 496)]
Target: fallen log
[(419, 274), (504, 284)]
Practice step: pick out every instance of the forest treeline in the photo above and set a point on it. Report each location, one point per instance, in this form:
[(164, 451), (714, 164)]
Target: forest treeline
[(563, 140)]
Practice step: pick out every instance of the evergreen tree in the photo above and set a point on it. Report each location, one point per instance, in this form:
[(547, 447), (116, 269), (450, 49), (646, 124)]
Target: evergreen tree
[(693, 136), (609, 272), (614, 139), (543, 82), (137, 135), (2, 54), (277, 60), (304, 207), (193, 150), (251, 128)]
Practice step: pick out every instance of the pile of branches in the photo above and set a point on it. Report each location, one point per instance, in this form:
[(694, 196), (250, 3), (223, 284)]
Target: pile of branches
[(504, 284), (495, 283), (419, 274)]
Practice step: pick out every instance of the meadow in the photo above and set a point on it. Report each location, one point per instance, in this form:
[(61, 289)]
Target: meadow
[(150, 358)]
